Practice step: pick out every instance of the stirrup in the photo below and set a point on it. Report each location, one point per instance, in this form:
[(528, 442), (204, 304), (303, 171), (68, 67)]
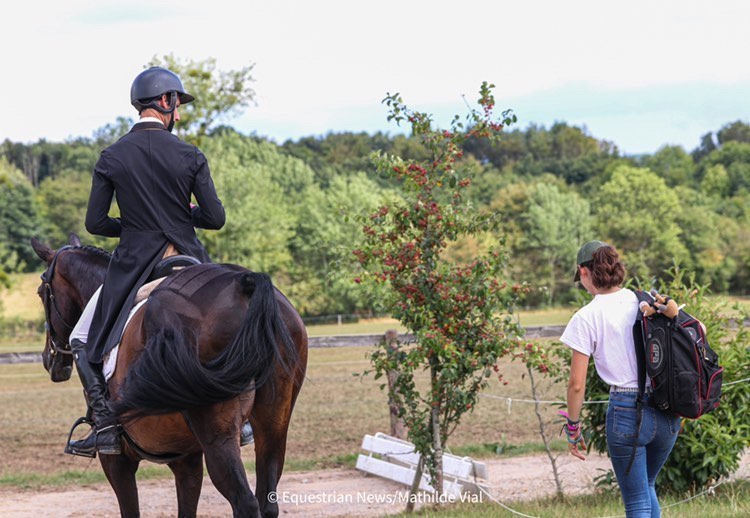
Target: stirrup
[(71, 451)]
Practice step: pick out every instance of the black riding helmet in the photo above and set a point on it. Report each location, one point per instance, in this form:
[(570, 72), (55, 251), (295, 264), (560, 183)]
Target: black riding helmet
[(149, 86)]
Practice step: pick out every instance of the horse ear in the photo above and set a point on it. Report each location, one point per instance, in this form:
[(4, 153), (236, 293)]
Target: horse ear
[(73, 239), (44, 252)]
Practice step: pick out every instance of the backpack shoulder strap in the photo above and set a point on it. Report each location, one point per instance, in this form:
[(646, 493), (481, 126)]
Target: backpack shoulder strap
[(640, 354), (640, 340)]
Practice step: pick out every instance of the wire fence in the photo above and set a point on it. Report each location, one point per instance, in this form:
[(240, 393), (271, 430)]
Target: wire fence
[(512, 399)]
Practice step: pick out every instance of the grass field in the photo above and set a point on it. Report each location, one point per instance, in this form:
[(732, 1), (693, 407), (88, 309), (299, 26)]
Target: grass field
[(334, 412)]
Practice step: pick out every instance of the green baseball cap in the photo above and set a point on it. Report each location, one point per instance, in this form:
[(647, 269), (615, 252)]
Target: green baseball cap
[(586, 254)]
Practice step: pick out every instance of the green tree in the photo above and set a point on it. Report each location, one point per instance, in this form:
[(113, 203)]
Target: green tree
[(326, 232), (557, 223), (219, 94), (260, 218), (707, 236), (715, 182), (708, 145), (737, 131), (735, 157), (638, 213), (570, 142), (673, 164), (63, 201), (19, 220), (459, 313), (110, 133)]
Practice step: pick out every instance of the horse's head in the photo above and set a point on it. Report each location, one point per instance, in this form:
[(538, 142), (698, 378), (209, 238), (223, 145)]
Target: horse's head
[(60, 310)]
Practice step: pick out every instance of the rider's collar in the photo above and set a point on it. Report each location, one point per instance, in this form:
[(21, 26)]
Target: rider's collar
[(149, 119)]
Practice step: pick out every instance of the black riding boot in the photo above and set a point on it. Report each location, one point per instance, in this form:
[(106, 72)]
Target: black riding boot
[(105, 437)]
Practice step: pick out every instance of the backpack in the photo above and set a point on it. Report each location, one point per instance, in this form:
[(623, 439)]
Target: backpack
[(684, 370)]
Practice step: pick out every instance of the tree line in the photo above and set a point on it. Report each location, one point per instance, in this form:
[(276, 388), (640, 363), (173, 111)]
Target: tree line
[(294, 209)]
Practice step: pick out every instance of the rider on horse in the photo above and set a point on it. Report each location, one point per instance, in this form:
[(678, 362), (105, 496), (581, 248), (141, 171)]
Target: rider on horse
[(153, 174)]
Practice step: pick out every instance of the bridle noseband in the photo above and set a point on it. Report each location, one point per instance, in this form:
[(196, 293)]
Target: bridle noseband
[(50, 303)]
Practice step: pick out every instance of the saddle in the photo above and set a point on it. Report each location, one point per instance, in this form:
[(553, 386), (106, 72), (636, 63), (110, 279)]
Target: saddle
[(162, 270), (172, 264)]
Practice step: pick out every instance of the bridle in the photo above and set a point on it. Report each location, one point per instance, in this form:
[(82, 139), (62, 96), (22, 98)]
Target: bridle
[(50, 304)]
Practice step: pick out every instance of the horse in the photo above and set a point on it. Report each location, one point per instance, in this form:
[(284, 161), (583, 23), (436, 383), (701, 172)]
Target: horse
[(213, 346)]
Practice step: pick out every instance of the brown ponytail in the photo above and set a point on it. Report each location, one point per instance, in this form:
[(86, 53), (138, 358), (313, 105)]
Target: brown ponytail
[(607, 270)]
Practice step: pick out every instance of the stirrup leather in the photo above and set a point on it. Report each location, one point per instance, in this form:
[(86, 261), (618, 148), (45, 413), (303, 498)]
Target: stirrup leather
[(81, 420)]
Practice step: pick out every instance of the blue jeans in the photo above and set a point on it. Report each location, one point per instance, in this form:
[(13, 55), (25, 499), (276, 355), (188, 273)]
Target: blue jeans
[(657, 436)]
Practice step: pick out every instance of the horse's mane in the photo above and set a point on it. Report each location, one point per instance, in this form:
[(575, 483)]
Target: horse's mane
[(90, 271), (96, 251)]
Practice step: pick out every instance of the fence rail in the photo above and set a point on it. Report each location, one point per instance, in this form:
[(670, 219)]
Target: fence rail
[(316, 341)]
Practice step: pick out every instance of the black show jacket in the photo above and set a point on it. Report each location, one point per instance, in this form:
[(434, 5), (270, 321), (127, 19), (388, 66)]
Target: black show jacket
[(152, 175)]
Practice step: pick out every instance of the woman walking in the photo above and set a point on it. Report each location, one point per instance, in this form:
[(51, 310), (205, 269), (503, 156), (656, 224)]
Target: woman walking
[(603, 329)]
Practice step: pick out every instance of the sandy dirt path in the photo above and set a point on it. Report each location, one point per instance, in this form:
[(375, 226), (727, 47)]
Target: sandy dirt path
[(335, 493)]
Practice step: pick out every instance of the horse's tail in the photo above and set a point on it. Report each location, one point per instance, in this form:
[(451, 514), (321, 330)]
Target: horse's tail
[(169, 377)]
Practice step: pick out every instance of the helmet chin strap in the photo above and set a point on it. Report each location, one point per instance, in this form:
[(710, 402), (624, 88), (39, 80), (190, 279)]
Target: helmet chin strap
[(172, 106)]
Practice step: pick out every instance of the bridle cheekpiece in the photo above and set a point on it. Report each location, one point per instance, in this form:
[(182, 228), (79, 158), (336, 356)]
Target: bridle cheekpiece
[(50, 304)]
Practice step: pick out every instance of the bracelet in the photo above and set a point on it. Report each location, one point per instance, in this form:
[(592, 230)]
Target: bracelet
[(574, 436), (571, 428), (570, 421)]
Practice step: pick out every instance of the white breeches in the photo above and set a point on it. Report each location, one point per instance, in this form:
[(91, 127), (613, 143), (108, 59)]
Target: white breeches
[(81, 329)]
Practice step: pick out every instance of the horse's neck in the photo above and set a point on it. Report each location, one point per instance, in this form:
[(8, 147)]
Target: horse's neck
[(87, 285), (85, 294)]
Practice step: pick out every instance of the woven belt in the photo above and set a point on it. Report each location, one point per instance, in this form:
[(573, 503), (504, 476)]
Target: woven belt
[(628, 390), (632, 390)]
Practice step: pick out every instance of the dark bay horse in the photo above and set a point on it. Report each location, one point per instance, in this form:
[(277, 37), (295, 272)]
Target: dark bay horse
[(213, 346)]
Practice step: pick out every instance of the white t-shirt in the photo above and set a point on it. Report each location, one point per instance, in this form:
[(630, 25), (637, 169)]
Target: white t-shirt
[(603, 328)]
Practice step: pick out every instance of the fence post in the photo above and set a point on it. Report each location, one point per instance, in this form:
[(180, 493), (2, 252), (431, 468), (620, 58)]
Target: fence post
[(398, 428)]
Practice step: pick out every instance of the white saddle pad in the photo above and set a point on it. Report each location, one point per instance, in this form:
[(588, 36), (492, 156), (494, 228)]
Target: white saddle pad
[(110, 360)]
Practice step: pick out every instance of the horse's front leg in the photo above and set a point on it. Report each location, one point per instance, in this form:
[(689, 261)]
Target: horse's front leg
[(217, 428), (120, 471), (188, 476)]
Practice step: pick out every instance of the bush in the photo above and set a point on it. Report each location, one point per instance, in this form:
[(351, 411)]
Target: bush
[(17, 327)]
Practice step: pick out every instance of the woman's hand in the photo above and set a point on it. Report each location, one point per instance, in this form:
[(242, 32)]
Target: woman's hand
[(577, 445)]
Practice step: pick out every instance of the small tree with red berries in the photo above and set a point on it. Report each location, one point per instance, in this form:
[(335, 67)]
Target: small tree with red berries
[(461, 314)]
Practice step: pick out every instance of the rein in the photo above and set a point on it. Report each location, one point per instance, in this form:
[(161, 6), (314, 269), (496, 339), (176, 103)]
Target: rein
[(50, 303)]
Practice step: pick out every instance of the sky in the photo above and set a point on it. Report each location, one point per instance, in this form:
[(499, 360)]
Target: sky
[(641, 74)]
